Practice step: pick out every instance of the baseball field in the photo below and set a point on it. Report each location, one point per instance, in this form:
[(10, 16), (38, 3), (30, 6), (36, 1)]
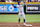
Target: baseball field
[(11, 20)]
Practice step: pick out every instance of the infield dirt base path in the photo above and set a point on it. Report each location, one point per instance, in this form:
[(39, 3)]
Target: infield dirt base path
[(16, 25)]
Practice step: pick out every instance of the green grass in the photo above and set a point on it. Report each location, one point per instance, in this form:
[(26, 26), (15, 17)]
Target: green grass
[(14, 18)]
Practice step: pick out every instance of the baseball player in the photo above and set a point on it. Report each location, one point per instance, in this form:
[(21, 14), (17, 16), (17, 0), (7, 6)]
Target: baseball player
[(21, 12)]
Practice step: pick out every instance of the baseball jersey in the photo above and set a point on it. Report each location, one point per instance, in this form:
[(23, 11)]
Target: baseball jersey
[(20, 8)]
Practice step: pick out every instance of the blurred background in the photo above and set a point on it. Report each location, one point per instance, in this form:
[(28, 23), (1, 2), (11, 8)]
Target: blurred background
[(20, 0), (32, 6), (8, 11)]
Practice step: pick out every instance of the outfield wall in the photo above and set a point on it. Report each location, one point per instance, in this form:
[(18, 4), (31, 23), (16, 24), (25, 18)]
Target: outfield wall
[(31, 7), (8, 8)]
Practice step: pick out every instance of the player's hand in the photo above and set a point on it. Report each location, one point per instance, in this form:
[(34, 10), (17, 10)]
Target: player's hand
[(24, 2)]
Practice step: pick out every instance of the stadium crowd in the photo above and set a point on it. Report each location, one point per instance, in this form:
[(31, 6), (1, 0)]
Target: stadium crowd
[(20, 0)]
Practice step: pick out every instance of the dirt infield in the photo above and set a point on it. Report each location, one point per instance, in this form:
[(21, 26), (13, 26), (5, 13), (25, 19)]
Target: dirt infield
[(16, 25)]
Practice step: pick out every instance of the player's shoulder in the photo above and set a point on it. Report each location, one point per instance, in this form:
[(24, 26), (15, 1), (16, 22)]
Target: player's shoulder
[(17, 5)]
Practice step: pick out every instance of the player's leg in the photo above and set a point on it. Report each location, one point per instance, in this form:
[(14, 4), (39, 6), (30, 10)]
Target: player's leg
[(19, 18), (23, 17)]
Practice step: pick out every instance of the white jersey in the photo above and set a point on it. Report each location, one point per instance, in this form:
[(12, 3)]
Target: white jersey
[(20, 8)]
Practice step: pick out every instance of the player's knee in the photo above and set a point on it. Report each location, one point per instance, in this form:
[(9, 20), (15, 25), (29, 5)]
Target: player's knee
[(23, 17)]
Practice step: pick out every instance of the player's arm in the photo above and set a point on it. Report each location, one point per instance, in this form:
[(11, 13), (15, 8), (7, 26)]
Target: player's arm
[(14, 6), (24, 3)]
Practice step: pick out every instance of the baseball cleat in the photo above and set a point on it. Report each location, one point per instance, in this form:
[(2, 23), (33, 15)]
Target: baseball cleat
[(26, 24)]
